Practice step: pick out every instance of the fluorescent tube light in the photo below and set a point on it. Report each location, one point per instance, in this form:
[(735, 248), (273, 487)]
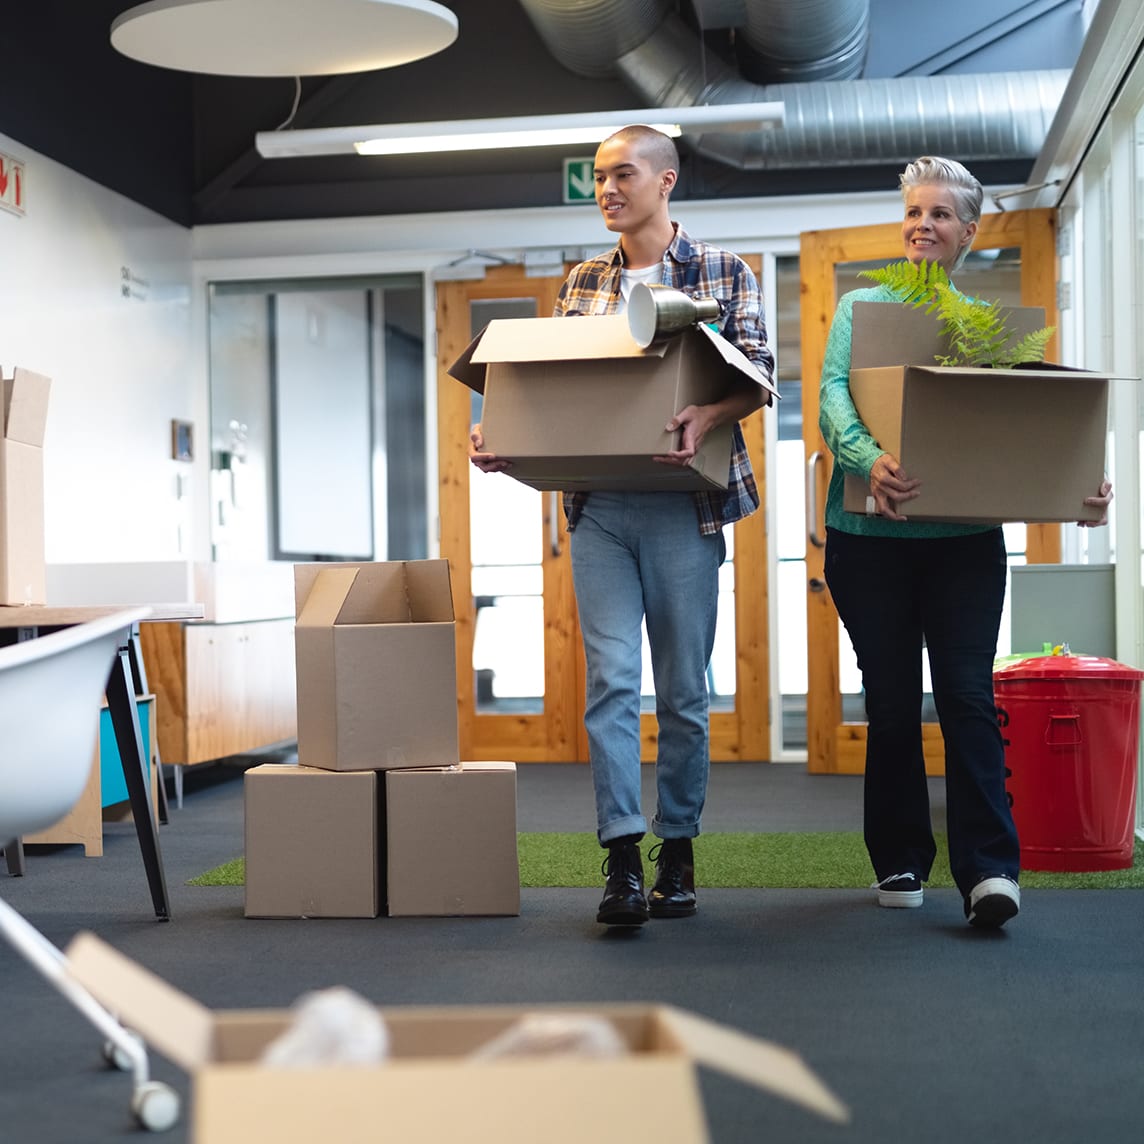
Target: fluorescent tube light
[(519, 131)]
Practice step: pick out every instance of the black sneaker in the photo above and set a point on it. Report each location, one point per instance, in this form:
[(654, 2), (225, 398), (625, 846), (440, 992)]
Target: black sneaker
[(992, 902), (899, 892)]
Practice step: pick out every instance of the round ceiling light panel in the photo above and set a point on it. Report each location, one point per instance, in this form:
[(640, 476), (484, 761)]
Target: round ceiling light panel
[(282, 37)]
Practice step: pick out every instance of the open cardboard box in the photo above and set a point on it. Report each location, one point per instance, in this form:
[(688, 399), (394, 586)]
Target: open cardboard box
[(428, 1092), (576, 403), (23, 576), (376, 665), (989, 445)]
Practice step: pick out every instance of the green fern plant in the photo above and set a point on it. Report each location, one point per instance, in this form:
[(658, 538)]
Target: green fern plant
[(976, 331)]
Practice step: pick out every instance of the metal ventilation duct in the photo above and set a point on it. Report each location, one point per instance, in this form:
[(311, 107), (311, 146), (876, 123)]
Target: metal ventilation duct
[(812, 40), (588, 36), (831, 123)]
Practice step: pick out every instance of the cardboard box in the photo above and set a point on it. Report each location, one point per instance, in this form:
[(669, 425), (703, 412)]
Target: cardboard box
[(311, 843), (473, 806), (575, 403), (22, 573), (989, 445), (428, 1092), (376, 664)]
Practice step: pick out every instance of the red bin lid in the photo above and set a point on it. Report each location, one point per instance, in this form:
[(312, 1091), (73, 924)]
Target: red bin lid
[(1065, 667)]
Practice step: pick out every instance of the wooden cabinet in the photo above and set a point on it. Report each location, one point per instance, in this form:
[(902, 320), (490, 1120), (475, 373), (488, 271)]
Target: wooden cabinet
[(222, 689)]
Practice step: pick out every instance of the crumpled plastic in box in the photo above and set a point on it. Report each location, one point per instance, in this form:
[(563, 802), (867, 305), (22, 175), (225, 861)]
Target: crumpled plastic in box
[(548, 1034), (330, 1027)]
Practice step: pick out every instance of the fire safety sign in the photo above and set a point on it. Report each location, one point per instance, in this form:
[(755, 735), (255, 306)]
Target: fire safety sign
[(12, 186)]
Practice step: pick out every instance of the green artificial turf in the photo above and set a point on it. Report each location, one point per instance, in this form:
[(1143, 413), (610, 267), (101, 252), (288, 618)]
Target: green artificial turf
[(795, 861)]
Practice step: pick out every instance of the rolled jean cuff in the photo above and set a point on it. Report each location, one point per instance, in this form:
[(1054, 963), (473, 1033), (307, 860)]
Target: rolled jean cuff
[(617, 828), (674, 830)]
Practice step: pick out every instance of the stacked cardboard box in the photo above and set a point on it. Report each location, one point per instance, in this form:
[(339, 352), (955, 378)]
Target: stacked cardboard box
[(381, 814), (24, 418)]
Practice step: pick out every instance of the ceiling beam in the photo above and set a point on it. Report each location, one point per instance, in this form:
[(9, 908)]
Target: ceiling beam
[(332, 91)]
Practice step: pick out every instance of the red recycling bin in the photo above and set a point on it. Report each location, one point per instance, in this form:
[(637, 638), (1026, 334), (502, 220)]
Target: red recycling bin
[(1070, 724)]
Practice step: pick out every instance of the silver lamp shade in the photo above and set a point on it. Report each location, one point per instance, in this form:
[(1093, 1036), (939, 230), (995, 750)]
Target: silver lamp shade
[(658, 312)]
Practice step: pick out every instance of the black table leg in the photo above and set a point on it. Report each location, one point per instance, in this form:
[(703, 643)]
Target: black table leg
[(14, 856), (139, 671), (129, 739)]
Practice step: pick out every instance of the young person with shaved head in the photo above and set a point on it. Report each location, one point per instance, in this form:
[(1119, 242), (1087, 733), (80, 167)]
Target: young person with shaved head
[(654, 557)]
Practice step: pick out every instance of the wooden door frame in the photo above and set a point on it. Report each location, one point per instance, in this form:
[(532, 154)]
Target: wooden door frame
[(833, 746), (554, 734), (740, 734)]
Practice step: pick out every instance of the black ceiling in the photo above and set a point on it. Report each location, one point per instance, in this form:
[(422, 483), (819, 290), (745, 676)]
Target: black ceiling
[(184, 145)]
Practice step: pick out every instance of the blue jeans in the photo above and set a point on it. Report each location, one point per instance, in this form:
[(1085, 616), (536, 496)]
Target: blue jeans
[(892, 593), (639, 556)]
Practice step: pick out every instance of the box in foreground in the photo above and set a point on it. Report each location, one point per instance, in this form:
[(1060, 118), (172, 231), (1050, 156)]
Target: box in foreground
[(429, 1091), (376, 662), (25, 417), (990, 446), (451, 841), (575, 403)]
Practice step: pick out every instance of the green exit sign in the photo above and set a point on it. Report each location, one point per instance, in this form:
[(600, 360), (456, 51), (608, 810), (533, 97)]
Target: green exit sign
[(580, 180)]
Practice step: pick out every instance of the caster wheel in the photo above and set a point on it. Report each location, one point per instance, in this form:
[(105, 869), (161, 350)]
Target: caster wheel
[(115, 1056), (156, 1106)]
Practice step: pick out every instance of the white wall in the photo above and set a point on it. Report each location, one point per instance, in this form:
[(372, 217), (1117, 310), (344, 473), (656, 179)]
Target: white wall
[(120, 365)]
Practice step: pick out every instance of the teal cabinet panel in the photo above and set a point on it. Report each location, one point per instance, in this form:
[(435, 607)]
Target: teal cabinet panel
[(112, 784)]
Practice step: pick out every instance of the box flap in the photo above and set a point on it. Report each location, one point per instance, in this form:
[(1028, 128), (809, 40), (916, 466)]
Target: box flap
[(588, 336), (758, 1062), (430, 594), (178, 1026), (26, 407), (380, 592), (735, 357), (329, 591), (464, 370), (887, 334)]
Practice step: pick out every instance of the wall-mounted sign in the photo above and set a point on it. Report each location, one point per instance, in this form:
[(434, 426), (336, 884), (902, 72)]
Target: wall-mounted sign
[(580, 180), (12, 184)]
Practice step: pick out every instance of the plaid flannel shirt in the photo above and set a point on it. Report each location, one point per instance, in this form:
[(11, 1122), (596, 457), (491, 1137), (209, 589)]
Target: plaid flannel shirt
[(702, 271)]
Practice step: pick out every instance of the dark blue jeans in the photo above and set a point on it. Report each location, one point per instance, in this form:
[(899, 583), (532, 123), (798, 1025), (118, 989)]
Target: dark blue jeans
[(892, 593)]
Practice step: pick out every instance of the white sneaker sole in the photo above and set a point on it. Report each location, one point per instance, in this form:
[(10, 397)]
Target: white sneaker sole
[(992, 902), (900, 899)]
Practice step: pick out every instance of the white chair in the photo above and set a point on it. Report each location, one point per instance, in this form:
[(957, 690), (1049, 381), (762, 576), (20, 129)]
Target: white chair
[(50, 693)]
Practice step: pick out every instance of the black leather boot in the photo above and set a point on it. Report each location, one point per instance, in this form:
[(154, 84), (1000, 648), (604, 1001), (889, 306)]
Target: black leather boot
[(673, 895), (623, 903)]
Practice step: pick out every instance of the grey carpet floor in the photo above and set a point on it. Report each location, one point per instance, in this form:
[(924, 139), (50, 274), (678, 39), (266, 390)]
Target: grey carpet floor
[(930, 1031)]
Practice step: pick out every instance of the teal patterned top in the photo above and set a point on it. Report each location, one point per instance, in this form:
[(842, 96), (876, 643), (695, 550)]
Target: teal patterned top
[(855, 451)]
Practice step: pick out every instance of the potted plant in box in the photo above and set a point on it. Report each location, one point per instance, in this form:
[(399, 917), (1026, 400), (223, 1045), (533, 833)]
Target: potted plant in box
[(976, 331)]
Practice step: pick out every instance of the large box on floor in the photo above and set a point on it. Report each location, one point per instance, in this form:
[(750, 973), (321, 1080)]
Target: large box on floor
[(989, 445), (451, 841), (23, 578), (430, 1090), (576, 403), (376, 661), (311, 843)]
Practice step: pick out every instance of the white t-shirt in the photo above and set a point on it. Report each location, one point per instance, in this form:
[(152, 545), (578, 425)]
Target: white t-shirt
[(652, 275)]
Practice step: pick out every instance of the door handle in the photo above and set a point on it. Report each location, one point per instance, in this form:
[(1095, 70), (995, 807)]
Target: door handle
[(554, 524), (812, 533)]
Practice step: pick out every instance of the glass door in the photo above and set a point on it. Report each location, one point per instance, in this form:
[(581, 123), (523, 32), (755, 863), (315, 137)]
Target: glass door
[(1014, 262), (519, 662)]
